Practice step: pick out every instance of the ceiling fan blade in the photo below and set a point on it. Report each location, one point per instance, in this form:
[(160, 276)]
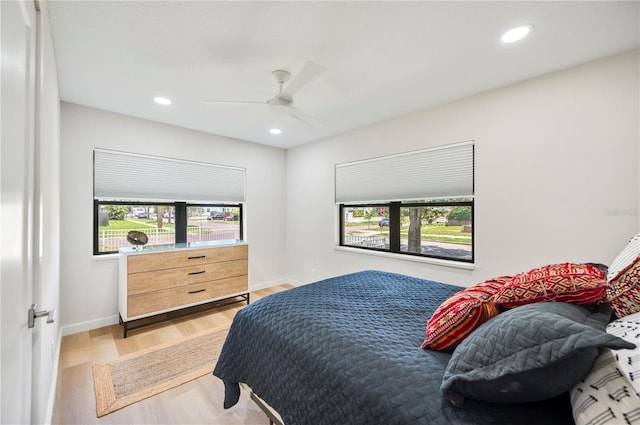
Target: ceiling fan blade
[(309, 72), (307, 119), (229, 102)]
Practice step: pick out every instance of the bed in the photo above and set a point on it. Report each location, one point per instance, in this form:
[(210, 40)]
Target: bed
[(346, 350)]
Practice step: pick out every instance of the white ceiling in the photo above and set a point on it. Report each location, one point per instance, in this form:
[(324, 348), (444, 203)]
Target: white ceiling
[(382, 59)]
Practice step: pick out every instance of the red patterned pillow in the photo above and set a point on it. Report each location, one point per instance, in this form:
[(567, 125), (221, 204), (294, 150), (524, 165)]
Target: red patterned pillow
[(628, 302), (575, 283), (462, 313), (623, 292)]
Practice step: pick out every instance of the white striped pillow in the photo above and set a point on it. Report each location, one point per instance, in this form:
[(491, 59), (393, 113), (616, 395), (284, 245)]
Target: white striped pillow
[(605, 395), (628, 328)]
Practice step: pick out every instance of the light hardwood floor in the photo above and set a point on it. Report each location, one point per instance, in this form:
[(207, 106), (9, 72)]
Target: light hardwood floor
[(196, 402)]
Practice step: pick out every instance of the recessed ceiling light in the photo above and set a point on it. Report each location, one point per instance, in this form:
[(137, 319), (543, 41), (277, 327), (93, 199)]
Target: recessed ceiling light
[(516, 34), (162, 100), (275, 131)]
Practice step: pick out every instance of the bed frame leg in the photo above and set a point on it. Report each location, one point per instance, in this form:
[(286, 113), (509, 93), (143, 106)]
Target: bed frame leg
[(261, 404)]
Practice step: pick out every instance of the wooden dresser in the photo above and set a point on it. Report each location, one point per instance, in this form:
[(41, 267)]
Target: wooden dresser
[(166, 278)]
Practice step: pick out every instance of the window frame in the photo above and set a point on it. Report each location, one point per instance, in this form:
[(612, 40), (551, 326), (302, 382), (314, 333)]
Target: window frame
[(180, 221), (395, 209)]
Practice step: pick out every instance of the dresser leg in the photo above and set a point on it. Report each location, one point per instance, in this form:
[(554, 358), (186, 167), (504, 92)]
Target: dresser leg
[(124, 325)]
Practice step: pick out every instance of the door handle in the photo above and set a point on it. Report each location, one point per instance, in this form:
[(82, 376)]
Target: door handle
[(32, 315)]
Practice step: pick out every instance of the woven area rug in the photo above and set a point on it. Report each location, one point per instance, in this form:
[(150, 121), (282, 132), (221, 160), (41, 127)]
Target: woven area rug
[(140, 375)]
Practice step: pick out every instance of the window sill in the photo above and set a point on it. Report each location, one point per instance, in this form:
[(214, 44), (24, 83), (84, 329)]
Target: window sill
[(102, 257), (412, 258)]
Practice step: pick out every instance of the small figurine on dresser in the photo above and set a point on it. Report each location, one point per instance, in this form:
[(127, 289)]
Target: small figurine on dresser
[(138, 239)]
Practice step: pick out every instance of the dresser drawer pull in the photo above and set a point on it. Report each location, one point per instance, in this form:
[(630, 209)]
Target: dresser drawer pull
[(197, 256), (196, 291), (200, 272)]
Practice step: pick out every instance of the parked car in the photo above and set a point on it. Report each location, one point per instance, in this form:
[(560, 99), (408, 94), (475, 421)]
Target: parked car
[(384, 221), (141, 214), (232, 218), (216, 216), (441, 220)]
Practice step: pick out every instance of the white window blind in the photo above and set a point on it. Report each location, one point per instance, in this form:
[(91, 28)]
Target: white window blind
[(128, 176), (440, 172)]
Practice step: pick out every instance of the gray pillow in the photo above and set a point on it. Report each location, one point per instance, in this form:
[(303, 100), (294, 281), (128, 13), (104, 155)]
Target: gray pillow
[(529, 353)]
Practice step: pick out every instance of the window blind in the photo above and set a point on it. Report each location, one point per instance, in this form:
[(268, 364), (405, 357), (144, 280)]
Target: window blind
[(440, 172), (129, 176)]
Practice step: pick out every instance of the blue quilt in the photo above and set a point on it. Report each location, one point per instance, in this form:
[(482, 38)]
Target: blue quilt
[(346, 350)]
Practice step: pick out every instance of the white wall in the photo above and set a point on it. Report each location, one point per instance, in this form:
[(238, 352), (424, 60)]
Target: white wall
[(557, 179), (89, 284)]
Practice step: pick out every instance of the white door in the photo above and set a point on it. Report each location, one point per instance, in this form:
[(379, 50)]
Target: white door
[(17, 86), (46, 280)]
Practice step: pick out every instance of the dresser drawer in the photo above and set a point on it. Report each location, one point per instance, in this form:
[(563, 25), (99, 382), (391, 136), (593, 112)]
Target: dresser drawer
[(150, 302), (184, 258), (180, 276)]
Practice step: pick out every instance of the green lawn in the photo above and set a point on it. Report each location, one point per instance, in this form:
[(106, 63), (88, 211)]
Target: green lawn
[(141, 223), (127, 224), (437, 233)]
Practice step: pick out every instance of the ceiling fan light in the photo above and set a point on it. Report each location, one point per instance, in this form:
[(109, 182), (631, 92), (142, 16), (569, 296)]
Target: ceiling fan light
[(279, 101)]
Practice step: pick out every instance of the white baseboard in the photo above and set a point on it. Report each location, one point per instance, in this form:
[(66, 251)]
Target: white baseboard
[(90, 325), (265, 285)]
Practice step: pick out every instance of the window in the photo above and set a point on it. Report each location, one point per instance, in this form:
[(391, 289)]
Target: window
[(442, 229), (170, 200), (417, 203), (163, 223)]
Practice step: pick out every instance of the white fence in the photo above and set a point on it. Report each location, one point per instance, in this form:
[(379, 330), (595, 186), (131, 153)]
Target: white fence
[(369, 241), (112, 240)]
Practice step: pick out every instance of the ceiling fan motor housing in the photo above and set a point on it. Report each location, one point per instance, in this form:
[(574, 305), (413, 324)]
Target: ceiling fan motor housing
[(281, 76)]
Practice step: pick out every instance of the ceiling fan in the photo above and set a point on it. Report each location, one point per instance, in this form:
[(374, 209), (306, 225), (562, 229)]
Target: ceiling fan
[(283, 101)]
